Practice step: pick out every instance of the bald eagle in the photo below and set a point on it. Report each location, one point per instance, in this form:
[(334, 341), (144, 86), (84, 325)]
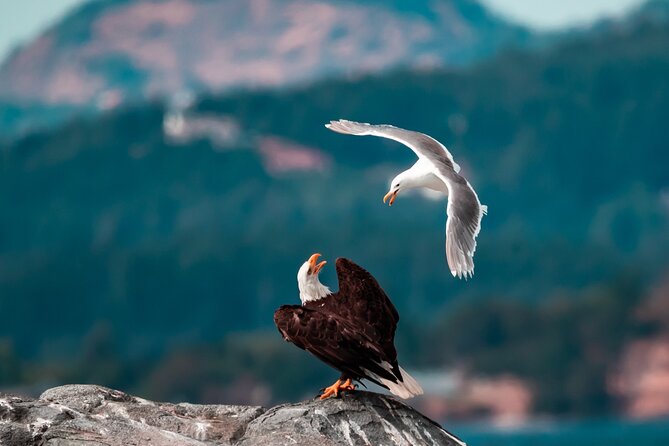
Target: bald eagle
[(352, 330)]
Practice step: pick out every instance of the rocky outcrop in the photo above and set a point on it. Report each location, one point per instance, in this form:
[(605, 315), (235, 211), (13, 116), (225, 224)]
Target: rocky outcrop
[(94, 415)]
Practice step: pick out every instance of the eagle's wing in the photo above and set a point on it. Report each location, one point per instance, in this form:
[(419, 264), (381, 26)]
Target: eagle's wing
[(357, 283), (335, 341), (361, 299)]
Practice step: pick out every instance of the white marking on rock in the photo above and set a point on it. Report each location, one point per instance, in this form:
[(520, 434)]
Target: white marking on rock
[(410, 438), (346, 431), (38, 425), (358, 430), (57, 406), (42, 422), (458, 441), (143, 402), (429, 436), (201, 430), (62, 408), (395, 433), (119, 410), (324, 415), (388, 405), (412, 428)]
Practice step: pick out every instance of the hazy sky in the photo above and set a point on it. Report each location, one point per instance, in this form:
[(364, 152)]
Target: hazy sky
[(21, 20), (553, 14)]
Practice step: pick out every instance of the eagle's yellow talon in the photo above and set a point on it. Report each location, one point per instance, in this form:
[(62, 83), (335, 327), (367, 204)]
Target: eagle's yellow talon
[(337, 387)]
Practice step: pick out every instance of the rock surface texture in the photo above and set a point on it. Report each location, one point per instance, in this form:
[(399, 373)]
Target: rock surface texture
[(79, 415)]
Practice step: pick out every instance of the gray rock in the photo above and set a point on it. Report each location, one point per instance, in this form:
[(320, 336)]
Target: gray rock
[(360, 418), (93, 415)]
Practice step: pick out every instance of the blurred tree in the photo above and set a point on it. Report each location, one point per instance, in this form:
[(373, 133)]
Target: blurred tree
[(10, 367)]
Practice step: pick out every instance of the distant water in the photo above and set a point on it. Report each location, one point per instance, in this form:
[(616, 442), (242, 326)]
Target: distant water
[(582, 433)]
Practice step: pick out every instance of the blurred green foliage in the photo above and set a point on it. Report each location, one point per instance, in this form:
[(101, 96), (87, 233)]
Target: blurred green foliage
[(564, 346)]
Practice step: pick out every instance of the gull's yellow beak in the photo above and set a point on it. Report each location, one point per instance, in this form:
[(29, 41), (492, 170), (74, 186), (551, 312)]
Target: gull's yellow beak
[(390, 197), (314, 267)]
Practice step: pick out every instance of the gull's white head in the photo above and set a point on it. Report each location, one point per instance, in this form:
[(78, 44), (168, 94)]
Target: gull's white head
[(307, 280), (400, 182)]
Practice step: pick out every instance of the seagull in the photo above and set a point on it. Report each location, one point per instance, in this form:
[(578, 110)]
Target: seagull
[(436, 170)]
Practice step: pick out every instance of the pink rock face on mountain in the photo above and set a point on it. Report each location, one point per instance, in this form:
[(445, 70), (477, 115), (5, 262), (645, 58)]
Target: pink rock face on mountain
[(166, 46), (281, 156), (144, 32), (25, 66)]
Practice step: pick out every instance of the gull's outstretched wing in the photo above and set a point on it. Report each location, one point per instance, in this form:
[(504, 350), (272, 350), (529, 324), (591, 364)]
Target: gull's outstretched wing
[(424, 146), (462, 226)]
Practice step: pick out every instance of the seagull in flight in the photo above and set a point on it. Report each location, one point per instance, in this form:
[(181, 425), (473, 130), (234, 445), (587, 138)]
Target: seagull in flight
[(436, 170)]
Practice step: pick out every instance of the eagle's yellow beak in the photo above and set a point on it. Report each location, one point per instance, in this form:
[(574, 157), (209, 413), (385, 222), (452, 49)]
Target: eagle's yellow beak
[(390, 197), (314, 267)]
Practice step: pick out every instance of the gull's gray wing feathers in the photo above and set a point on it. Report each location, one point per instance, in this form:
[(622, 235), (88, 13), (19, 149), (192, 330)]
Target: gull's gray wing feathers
[(462, 226), (424, 146), (464, 209)]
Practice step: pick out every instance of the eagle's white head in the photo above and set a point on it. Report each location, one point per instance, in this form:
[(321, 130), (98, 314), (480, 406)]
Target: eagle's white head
[(307, 280)]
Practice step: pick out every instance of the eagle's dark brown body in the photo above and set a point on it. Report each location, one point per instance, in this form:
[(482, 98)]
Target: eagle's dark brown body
[(352, 330)]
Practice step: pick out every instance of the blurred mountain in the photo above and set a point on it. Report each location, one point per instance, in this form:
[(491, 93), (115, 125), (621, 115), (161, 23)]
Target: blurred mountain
[(649, 12), (652, 10), (182, 223), (109, 52)]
